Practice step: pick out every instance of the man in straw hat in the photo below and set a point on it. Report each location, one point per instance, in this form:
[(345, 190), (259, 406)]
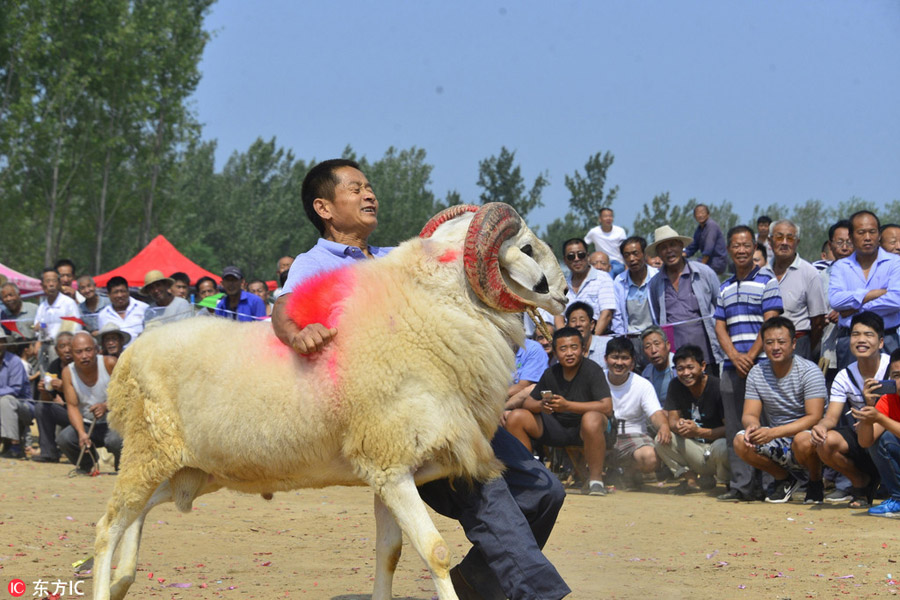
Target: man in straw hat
[(683, 295), (112, 340), (166, 307)]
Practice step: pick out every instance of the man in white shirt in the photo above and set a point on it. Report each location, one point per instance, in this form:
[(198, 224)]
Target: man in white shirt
[(54, 307), (608, 237), (123, 310), (588, 285)]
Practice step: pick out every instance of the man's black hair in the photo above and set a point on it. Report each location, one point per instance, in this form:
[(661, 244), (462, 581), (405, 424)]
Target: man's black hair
[(778, 322), (62, 262), (579, 305), (182, 277), (870, 320), (632, 240), (764, 219), (206, 278), (861, 213), (825, 244), (252, 281), (688, 351), (567, 332), (888, 226), (575, 240), (620, 344), (703, 206), (739, 229), (765, 252), (320, 183), (609, 208), (842, 224), (49, 270), (115, 282), (895, 355)]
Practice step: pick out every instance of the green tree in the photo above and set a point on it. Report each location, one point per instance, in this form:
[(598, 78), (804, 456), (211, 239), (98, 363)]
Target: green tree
[(560, 230), (587, 195), (502, 181)]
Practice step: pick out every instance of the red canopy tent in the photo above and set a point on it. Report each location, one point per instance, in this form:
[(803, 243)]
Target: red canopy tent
[(159, 254)]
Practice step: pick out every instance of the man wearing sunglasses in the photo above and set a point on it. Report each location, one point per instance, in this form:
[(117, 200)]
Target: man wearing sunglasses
[(588, 285)]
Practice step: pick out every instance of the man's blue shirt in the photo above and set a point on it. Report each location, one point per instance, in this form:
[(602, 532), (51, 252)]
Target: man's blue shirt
[(250, 308), (325, 256)]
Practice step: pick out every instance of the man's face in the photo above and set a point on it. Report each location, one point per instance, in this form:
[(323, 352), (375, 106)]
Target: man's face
[(284, 264), (575, 257), (701, 215), (180, 289), (656, 348), (894, 372), (232, 285), (544, 342), (827, 252), (159, 291), (634, 257), (606, 218), (784, 241), (84, 350), (580, 320), (865, 235), (758, 259), (841, 243), (740, 249), (655, 262), (671, 252), (64, 350), (599, 260), (778, 345), (206, 289), (119, 298), (87, 287), (11, 299), (689, 371), (619, 363), (50, 285), (112, 344), (864, 341), (762, 229), (568, 351), (354, 209), (259, 289), (890, 240), (66, 275)]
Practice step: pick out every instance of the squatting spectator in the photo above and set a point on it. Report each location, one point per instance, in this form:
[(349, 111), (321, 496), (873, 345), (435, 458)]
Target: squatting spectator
[(112, 340), (16, 404), (51, 411)]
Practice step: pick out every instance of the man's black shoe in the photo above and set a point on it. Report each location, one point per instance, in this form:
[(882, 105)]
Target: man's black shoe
[(733, 496), (44, 459)]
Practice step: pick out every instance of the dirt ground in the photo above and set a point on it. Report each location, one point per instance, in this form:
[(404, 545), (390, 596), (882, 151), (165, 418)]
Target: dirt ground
[(320, 544)]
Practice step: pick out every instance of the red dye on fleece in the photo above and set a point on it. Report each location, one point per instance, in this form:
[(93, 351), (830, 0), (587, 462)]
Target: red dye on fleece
[(448, 256), (315, 299)]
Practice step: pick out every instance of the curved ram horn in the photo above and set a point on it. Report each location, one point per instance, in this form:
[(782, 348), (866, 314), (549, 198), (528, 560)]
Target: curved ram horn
[(493, 224), (445, 215)]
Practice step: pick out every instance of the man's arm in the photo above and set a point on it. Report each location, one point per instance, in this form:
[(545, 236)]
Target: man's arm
[(312, 338), (17, 384), (75, 417), (828, 422), (560, 404), (663, 433)]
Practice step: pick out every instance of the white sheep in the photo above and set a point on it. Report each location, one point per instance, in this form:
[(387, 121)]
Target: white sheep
[(410, 390)]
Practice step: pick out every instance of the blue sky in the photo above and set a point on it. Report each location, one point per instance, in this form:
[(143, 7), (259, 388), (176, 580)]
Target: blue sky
[(753, 102)]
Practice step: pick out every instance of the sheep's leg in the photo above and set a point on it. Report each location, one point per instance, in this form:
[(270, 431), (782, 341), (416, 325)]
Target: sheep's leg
[(401, 497), (387, 549)]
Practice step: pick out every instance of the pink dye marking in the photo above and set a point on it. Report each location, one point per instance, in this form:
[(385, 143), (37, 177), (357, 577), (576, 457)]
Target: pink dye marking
[(315, 299), (448, 256), (278, 348)]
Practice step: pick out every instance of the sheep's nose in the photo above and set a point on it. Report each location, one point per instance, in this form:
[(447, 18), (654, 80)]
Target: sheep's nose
[(542, 286)]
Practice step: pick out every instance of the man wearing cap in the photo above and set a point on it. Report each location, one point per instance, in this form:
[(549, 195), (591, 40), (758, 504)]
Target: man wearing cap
[(112, 340), (123, 310), (237, 303), (683, 295), (16, 405), (166, 307)]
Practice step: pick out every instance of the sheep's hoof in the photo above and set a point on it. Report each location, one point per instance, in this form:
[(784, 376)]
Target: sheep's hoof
[(267, 496)]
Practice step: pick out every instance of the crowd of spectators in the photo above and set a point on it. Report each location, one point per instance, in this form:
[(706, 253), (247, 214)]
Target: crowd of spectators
[(731, 369)]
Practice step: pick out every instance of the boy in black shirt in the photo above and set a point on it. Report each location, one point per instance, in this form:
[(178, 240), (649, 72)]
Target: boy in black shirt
[(694, 407)]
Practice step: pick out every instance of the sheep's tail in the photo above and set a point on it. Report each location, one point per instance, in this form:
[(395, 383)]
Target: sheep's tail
[(121, 393)]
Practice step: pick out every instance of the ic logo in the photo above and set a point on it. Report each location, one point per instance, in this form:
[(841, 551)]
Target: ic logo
[(16, 588)]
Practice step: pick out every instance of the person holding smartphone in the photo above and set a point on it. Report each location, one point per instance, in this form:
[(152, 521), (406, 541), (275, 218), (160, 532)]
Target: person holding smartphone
[(879, 431)]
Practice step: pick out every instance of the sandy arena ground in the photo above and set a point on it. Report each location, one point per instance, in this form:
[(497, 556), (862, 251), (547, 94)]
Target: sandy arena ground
[(320, 544)]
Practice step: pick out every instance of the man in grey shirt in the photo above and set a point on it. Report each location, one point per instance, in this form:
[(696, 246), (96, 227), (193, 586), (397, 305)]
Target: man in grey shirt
[(790, 390), (15, 310), (801, 288), (166, 307)]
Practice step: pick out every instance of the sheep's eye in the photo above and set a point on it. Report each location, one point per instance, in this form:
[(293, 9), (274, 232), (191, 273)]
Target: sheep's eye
[(526, 249)]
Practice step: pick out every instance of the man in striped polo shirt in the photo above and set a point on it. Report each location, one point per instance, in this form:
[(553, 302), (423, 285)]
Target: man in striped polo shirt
[(745, 300)]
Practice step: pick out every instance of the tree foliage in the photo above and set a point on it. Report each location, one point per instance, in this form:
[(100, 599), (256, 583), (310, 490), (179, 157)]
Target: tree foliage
[(587, 192), (501, 179)]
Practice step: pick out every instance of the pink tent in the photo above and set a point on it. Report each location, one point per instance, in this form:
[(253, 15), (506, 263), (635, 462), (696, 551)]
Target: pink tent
[(26, 284)]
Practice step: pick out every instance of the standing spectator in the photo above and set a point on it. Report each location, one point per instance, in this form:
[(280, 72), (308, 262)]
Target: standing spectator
[(761, 256), (661, 368), (708, 241), (608, 237), (51, 412), (123, 311), (868, 279), (238, 304), (801, 288), (66, 270), (599, 260), (826, 257), (259, 287), (54, 307), (693, 405), (84, 387), (182, 286), (92, 305), (790, 392), (588, 285), (14, 309), (841, 247), (16, 404), (763, 224), (281, 269), (632, 287), (745, 301), (890, 238), (207, 289), (166, 307), (683, 295)]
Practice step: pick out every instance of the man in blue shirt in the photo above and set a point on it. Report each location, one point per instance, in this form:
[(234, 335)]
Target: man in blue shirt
[(237, 303), (507, 519), (16, 405), (868, 279), (708, 240)]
